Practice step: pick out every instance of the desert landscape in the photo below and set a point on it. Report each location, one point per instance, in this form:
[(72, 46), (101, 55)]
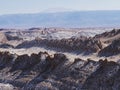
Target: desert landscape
[(60, 59), (59, 44)]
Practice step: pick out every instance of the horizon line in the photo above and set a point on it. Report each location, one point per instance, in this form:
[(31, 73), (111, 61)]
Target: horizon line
[(56, 12)]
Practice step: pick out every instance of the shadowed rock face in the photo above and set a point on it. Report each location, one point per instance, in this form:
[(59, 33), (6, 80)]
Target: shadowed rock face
[(5, 59), (6, 46), (105, 78), (24, 62), (112, 33), (9, 37), (5, 37), (109, 37), (89, 45), (112, 49), (44, 72)]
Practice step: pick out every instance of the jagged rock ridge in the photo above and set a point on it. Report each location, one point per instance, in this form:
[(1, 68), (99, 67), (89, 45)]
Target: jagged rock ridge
[(104, 44), (82, 44), (45, 72), (112, 49)]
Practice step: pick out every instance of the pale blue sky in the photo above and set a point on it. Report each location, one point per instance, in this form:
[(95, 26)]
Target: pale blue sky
[(33, 6)]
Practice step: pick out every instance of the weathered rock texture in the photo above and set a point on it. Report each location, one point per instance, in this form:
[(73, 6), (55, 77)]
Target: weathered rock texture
[(82, 44), (109, 37), (3, 38), (112, 33), (44, 72), (101, 44), (112, 49)]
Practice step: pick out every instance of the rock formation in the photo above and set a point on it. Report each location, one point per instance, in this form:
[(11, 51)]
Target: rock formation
[(112, 49), (45, 72), (3, 38), (104, 44), (73, 44), (109, 37), (106, 77), (112, 33)]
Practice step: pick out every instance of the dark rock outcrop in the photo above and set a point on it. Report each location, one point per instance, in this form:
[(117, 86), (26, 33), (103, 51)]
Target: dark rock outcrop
[(112, 33), (106, 77), (6, 46), (112, 49), (108, 37), (5, 59), (9, 37), (88, 45), (44, 72)]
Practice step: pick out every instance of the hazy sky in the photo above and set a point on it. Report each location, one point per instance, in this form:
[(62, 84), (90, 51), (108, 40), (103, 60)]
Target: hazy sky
[(33, 6)]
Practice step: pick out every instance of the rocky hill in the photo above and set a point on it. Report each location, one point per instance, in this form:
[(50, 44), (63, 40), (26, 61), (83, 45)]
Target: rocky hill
[(49, 71), (105, 44), (112, 49), (112, 33), (82, 44), (45, 72), (109, 37), (5, 37), (102, 44), (111, 40)]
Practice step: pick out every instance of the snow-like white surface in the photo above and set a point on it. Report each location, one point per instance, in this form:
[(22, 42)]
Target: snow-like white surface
[(61, 35), (6, 87), (56, 33)]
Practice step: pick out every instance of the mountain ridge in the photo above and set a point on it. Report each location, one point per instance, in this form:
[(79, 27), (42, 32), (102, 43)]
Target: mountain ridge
[(70, 19)]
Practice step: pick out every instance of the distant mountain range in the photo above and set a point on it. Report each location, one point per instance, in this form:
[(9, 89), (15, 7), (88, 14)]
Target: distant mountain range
[(74, 19)]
